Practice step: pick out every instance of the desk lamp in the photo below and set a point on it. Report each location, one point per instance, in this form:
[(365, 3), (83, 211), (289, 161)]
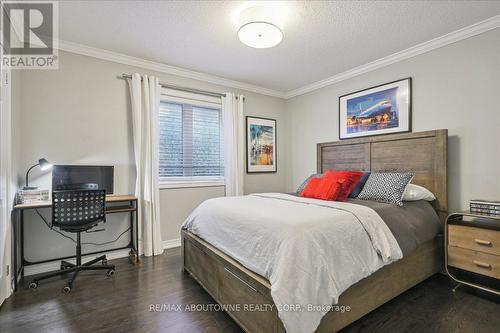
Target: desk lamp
[(44, 165)]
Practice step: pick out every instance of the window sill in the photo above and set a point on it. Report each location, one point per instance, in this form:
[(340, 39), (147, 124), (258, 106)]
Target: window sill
[(191, 184)]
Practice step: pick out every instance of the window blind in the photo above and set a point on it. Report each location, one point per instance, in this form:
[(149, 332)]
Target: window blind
[(190, 142)]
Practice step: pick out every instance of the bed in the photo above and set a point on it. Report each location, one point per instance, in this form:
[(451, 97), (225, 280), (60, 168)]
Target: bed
[(246, 295)]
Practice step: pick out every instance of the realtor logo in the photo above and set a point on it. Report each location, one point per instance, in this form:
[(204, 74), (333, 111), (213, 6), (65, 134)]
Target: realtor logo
[(30, 34)]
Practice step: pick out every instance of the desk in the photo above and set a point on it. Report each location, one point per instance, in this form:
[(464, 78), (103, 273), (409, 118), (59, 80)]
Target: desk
[(114, 204)]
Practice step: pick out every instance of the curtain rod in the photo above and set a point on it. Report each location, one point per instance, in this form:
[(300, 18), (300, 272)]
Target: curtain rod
[(191, 90)]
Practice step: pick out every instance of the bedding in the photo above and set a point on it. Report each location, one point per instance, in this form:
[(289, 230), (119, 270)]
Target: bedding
[(310, 250), (415, 192), (324, 188), (349, 178), (357, 182), (305, 182), (386, 187), (412, 224), (310, 188), (359, 186)]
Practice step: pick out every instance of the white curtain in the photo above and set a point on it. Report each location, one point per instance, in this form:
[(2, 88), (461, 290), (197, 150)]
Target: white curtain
[(145, 100), (234, 143)]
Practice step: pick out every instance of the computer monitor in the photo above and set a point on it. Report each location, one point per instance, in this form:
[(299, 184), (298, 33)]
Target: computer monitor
[(67, 177)]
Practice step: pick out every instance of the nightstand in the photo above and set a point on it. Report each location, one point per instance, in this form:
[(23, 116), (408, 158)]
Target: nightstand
[(472, 250)]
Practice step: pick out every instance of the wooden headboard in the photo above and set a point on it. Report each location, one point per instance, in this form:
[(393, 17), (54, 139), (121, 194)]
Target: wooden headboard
[(425, 153)]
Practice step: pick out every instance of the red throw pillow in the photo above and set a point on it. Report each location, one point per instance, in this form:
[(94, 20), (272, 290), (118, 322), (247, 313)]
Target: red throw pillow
[(349, 180), (322, 188), (328, 188), (310, 188), (353, 179)]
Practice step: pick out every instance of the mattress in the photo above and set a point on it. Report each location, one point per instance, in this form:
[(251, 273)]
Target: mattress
[(311, 250), (412, 224)]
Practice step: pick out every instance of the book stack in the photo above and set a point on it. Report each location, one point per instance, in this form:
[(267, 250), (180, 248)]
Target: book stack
[(485, 207), (32, 196)]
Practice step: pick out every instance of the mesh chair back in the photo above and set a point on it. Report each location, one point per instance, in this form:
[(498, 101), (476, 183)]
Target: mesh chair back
[(78, 209)]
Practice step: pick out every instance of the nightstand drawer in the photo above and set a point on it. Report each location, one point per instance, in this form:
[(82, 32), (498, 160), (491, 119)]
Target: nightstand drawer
[(477, 239), (474, 261)]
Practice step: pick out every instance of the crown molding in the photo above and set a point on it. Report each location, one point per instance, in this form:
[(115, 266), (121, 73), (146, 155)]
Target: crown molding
[(452, 37), (159, 67)]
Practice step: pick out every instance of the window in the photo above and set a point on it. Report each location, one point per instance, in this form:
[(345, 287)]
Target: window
[(190, 141)]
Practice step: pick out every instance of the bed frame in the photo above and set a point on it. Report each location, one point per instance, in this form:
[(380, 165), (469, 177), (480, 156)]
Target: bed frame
[(244, 293)]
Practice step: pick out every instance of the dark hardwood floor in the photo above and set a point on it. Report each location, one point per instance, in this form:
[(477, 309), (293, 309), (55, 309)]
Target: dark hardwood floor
[(123, 303)]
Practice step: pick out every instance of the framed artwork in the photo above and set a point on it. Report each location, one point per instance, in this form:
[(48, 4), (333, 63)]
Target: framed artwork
[(377, 110), (261, 145)]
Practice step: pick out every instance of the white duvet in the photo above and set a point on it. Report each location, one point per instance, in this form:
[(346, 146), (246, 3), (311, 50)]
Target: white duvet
[(310, 250)]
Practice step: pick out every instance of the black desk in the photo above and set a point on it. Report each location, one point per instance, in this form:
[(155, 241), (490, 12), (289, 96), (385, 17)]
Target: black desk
[(128, 205)]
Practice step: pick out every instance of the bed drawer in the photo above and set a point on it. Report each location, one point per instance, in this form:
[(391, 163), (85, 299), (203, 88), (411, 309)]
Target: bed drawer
[(474, 261), (203, 269), (251, 307), (477, 239)]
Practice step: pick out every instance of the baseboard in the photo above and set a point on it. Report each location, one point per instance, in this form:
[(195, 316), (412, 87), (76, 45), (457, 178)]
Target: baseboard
[(171, 243), (55, 265)]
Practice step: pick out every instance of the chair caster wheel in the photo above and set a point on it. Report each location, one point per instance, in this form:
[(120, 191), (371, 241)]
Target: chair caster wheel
[(33, 285), (66, 289), (110, 272)]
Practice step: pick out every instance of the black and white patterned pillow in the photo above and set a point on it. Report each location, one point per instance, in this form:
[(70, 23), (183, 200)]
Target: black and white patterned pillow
[(386, 187), (304, 183)]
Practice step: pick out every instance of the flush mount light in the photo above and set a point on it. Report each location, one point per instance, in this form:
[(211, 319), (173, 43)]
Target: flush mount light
[(260, 27)]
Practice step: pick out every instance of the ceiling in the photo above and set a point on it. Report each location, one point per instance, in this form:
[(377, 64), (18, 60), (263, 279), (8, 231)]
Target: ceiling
[(322, 38)]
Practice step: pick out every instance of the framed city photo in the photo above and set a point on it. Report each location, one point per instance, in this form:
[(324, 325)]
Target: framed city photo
[(261, 145), (378, 110)]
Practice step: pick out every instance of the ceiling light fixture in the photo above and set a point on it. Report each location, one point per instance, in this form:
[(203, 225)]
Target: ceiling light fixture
[(260, 27)]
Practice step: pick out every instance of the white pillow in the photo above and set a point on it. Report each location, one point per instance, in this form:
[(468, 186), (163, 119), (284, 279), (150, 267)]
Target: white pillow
[(414, 192)]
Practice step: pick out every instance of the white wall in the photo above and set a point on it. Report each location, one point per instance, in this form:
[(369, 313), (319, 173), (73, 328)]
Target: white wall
[(8, 179), (455, 87), (80, 114)]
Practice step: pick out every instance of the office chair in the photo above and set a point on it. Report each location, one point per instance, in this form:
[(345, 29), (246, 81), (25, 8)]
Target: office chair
[(77, 211)]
